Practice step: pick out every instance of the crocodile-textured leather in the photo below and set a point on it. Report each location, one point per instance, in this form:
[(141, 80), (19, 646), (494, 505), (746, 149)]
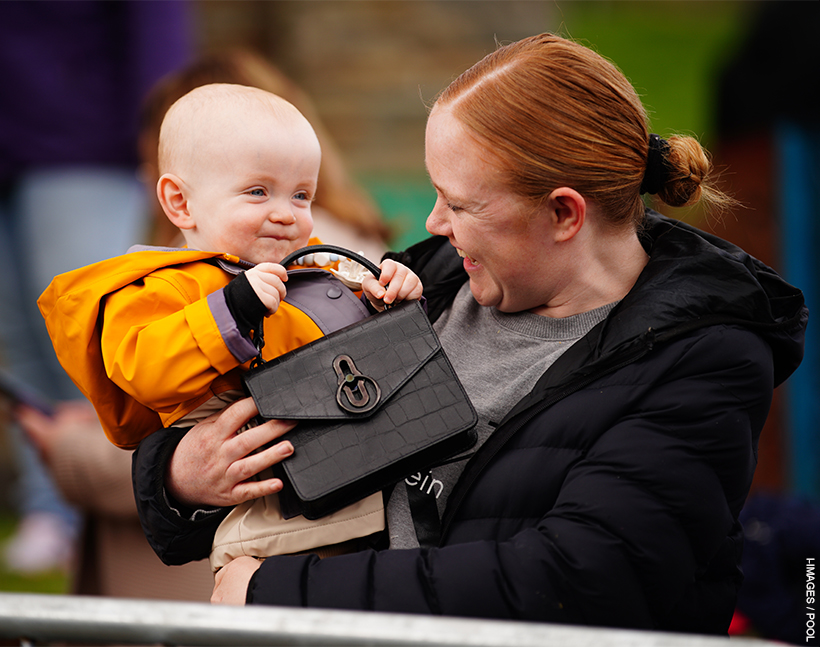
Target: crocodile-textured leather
[(423, 415)]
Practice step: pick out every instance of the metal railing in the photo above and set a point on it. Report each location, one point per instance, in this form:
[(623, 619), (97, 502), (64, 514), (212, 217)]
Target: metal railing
[(43, 619)]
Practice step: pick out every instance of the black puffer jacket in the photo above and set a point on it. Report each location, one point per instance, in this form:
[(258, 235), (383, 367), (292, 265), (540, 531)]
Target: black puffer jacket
[(609, 495)]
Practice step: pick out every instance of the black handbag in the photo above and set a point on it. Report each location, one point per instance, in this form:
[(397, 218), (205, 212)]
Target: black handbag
[(376, 401)]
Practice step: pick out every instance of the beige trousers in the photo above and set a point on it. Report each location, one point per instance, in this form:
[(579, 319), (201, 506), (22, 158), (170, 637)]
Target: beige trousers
[(257, 529)]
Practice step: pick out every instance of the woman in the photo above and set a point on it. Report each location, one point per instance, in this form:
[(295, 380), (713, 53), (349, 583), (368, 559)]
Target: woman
[(622, 365)]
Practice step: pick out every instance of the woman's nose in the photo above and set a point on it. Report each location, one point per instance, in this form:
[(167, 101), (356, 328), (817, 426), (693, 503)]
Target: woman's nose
[(438, 224)]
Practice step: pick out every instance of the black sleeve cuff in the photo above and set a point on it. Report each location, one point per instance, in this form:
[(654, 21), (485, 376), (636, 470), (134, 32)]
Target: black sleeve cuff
[(177, 534), (245, 306)]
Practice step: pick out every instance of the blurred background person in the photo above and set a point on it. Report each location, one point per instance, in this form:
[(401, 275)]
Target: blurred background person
[(113, 557), (73, 75)]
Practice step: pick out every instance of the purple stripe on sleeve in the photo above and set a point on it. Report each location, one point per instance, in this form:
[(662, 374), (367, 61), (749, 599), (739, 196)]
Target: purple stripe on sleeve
[(241, 347)]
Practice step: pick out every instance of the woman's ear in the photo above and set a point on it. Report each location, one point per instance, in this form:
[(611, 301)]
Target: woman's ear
[(174, 201), (567, 209)]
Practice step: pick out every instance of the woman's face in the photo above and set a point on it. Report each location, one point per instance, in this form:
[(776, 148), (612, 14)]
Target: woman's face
[(506, 243)]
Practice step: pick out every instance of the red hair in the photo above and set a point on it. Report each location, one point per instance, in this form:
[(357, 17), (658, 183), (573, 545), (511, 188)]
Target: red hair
[(554, 113)]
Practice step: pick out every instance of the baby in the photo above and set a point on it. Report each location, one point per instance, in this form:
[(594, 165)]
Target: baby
[(159, 337)]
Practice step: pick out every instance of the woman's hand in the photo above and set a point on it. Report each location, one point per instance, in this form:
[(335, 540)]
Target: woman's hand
[(213, 463), (231, 581)]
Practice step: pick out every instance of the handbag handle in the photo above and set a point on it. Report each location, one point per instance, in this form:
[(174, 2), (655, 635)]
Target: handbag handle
[(331, 249), (258, 336)]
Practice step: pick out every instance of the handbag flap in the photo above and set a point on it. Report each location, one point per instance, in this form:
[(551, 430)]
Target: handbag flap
[(349, 373)]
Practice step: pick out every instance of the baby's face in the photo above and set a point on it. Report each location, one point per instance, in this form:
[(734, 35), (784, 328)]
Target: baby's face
[(251, 191)]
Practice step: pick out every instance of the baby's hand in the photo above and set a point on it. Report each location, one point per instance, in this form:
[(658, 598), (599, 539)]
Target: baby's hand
[(396, 283), (268, 281)]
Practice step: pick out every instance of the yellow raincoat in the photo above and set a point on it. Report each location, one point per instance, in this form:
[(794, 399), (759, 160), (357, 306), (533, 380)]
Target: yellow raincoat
[(137, 336)]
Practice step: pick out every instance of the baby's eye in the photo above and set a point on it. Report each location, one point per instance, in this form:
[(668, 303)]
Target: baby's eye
[(302, 195), (259, 193)]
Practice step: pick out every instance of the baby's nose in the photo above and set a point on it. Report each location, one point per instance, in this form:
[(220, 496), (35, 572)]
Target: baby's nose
[(282, 215)]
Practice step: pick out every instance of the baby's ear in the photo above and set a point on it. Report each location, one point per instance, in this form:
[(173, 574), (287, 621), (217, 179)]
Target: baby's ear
[(172, 197)]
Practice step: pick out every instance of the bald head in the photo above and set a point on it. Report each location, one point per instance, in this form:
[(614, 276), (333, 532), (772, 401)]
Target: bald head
[(237, 162), (210, 117)]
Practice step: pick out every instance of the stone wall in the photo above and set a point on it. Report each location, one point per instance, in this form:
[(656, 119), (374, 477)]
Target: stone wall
[(371, 66)]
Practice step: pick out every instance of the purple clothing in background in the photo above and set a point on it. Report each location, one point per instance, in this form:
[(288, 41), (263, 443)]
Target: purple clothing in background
[(73, 75)]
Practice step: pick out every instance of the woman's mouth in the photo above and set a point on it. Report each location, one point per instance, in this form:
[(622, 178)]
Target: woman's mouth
[(469, 262)]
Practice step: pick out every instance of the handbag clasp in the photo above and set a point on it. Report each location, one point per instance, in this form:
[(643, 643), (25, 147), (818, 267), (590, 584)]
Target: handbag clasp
[(352, 393)]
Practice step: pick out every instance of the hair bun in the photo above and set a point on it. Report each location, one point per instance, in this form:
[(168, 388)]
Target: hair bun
[(689, 166)]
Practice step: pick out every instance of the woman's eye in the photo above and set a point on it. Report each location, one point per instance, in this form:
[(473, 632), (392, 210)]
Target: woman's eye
[(453, 207)]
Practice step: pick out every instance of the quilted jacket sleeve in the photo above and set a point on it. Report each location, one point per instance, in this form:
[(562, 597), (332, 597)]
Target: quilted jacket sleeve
[(624, 495), (177, 535)]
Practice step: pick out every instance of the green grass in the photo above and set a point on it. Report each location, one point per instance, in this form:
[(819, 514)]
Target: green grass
[(672, 52), (50, 582)]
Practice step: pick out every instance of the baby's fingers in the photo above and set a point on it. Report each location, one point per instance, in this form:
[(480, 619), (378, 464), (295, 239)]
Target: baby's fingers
[(266, 281), (372, 289), (411, 289), (272, 268), (403, 284)]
